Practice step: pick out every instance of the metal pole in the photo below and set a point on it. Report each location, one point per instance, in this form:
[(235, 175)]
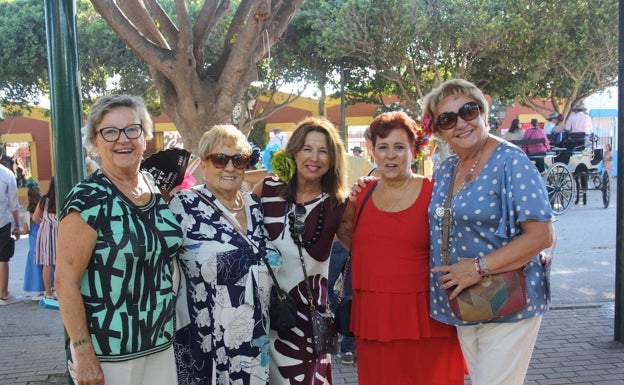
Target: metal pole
[(618, 326), (65, 104)]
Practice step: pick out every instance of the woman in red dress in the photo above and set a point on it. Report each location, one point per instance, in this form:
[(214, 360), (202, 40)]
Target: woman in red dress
[(396, 340)]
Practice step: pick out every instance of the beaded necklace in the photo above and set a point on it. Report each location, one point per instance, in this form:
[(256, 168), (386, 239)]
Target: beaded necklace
[(298, 238)]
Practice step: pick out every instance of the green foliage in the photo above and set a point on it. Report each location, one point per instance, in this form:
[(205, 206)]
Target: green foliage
[(23, 68), (106, 64), (515, 50), (257, 135)]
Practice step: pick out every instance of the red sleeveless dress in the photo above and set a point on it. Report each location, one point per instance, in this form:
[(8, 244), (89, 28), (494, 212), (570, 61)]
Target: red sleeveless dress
[(396, 340)]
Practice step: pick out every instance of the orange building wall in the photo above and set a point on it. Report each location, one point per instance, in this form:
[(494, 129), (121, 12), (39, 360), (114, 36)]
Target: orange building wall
[(40, 132)]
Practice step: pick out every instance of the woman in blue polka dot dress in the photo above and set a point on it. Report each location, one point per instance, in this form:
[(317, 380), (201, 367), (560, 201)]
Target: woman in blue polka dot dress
[(500, 220)]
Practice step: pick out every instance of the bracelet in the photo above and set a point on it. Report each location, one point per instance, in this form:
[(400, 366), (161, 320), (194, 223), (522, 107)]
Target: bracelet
[(483, 266), (81, 341), (478, 268)]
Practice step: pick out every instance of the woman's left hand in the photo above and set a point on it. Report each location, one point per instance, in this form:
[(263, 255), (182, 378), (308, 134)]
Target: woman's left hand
[(458, 276)]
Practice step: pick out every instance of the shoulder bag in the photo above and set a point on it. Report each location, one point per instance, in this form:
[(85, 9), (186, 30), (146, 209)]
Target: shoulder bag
[(322, 325)]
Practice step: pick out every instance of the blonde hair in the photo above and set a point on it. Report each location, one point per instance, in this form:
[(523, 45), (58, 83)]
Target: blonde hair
[(224, 134), (453, 87)]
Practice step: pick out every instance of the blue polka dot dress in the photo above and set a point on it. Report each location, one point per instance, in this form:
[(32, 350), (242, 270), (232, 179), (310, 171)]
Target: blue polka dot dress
[(486, 214)]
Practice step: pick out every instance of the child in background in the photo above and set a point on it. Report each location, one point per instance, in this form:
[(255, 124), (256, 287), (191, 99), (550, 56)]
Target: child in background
[(33, 279), (45, 215)]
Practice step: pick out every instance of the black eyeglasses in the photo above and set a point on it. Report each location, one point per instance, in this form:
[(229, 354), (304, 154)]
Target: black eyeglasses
[(239, 161), (296, 218), (448, 120), (111, 134)]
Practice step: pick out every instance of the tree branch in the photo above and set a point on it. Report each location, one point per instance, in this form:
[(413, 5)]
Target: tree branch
[(163, 19)]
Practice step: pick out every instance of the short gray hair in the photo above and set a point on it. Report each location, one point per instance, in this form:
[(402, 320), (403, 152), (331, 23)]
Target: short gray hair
[(104, 105)]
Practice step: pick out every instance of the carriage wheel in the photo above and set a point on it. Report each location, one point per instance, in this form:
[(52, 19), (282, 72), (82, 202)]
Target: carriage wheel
[(606, 189), (560, 186)]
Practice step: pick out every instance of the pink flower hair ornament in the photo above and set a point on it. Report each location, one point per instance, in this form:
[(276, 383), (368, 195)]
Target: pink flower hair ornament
[(427, 123)]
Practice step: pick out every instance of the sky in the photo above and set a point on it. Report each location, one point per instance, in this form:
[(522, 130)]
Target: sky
[(607, 99)]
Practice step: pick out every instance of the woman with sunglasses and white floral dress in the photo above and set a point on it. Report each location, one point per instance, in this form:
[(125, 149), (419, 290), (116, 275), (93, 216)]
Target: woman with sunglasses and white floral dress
[(500, 220), (222, 327), (303, 209)]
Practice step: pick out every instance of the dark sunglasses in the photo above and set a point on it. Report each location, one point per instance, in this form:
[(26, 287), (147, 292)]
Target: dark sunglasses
[(239, 161), (448, 120), (296, 217)]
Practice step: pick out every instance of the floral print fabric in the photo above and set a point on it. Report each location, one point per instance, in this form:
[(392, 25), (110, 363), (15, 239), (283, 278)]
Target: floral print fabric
[(222, 302)]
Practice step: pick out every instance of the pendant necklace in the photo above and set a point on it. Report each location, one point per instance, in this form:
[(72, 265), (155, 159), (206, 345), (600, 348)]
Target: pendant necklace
[(135, 192), (470, 175)]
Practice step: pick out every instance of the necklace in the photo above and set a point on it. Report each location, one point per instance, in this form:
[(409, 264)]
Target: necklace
[(233, 210), (135, 192), (470, 175), (298, 239)]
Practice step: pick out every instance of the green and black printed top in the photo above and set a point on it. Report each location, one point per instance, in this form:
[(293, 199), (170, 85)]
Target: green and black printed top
[(127, 287)]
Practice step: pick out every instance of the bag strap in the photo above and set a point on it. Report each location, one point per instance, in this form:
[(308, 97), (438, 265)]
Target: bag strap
[(237, 227), (347, 265), (446, 220)]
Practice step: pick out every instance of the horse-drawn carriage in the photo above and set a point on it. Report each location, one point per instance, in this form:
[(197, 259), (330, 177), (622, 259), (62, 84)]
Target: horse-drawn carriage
[(572, 162)]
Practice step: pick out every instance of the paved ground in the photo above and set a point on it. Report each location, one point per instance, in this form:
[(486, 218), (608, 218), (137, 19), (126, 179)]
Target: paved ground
[(575, 345)]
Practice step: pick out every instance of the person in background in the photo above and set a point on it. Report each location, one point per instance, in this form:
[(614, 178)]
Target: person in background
[(115, 248), (500, 220), (303, 211), (45, 251), (553, 120), (397, 342), (33, 273), (555, 128), (515, 131), (6, 160), (357, 151), (337, 260), (278, 139), (356, 168), (540, 149), (20, 178), (607, 159), (9, 213), (579, 121), (222, 325)]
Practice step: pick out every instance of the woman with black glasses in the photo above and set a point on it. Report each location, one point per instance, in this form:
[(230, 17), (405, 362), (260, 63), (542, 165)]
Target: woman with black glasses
[(489, 214), (222, 322), (303, 211), (115, 244)]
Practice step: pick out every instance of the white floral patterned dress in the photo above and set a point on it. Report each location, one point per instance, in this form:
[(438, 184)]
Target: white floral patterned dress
[(222, 331)]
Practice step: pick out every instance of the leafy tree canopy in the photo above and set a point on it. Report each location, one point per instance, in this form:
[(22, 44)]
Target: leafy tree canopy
[(514, 50), (106, 64)]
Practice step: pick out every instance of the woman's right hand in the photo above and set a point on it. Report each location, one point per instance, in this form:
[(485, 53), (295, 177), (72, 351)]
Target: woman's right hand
[(87, 366), (359, 185)]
